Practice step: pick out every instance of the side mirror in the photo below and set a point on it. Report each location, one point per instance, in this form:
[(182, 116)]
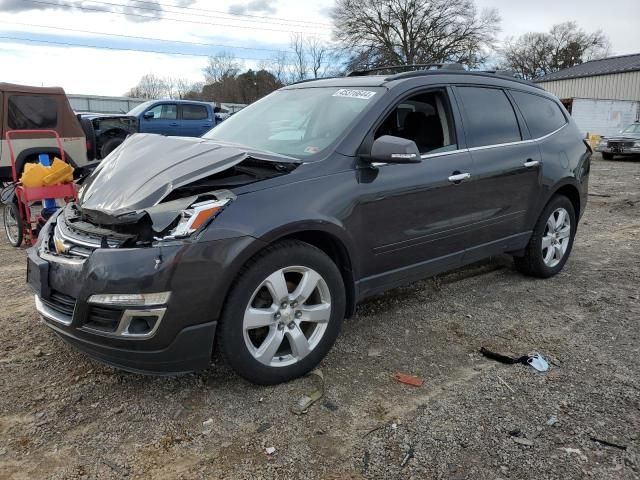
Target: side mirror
[(390, 149), (149, 114)]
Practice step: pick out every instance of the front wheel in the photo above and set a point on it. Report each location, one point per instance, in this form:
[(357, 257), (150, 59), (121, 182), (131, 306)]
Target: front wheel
[(551, 241), (109, 146), (607, 156), (12, 224), (283, 313)]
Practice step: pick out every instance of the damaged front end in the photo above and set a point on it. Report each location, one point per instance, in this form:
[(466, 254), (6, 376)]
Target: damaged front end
[(154, 189)]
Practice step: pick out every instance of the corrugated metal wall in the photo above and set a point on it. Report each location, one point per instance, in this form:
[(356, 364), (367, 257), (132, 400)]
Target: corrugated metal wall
[(97, 104), (619, 86), (603, 117)]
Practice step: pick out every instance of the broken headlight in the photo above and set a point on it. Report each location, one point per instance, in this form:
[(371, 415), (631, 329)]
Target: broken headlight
[(192, 218)]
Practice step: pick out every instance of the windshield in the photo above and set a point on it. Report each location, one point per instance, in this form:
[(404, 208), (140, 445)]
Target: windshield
[(634, 128), (135, 111), (297, 122)]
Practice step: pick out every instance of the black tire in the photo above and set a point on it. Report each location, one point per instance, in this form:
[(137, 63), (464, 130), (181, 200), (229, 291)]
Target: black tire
[(10, 215), (230, 336), (607, 156), (532, 262), (90, 136), (110, 145)]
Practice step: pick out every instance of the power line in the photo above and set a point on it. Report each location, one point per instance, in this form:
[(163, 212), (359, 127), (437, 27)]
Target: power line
[(266, 17), (105, 47), (130, 14), (269, 20), (90, 32)]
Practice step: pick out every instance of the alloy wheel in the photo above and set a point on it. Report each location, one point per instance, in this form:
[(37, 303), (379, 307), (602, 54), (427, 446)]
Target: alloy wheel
[(287, 316), (557, 234)]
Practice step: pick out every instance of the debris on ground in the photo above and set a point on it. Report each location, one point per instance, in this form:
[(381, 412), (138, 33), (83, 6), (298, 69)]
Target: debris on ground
[(408, 456), (270, 450), (534, 359), (409, 379), (575, 451), (304, 402), (608, 444), (552, 420)]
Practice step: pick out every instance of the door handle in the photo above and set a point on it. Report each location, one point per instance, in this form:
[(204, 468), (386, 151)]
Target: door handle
[(531, 163), (459, 177), (173, 124)]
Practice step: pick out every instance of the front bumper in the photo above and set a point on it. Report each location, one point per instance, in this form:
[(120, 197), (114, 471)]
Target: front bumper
[(196, 273)]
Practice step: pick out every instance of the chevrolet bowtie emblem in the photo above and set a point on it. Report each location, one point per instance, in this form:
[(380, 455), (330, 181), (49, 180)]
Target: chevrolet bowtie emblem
[(60, 246)]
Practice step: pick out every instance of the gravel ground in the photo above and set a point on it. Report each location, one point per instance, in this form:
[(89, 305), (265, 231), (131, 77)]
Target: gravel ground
[(64, 416)]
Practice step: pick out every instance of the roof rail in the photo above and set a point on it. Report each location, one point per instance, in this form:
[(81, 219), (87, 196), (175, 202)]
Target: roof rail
[(461, 71), (404, 68), (504, 73)]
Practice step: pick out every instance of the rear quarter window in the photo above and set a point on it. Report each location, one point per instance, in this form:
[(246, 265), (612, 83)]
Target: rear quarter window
[(542, 115), (489, 116), (26, 112)]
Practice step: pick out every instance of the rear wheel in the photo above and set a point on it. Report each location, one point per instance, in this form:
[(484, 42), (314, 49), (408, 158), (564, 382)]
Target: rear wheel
[(12, 224), (283, 314), (551, 241), (607, 156)]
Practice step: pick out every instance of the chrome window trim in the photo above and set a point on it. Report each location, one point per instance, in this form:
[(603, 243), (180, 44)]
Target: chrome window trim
[(497, 145)]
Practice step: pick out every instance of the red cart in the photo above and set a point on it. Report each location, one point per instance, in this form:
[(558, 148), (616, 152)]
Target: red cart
[(19, 222)]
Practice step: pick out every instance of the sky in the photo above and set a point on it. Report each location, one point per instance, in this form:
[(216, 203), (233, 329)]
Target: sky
[(56, 42)]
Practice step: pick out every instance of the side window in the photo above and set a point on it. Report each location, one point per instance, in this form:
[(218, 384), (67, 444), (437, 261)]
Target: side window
[(26, 112), (542, 115), (164, 111), (424, 118), (489, 115), (194, 112)]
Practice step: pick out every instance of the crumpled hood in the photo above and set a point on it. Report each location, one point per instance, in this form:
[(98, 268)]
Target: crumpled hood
[(145, 168)]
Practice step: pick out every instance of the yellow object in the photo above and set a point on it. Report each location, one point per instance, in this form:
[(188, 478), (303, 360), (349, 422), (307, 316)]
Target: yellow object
[(59, 173), (33, 175), (37, 175), (593, 139)]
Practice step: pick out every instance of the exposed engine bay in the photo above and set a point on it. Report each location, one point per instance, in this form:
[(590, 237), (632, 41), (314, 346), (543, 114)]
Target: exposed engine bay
[(122, 205)]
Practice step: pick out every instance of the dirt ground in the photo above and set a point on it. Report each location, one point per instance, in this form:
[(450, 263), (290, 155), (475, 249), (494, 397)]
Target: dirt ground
[(64, 416)]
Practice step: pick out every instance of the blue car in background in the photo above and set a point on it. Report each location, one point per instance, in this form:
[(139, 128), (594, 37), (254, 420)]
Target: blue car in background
[(182, 118)]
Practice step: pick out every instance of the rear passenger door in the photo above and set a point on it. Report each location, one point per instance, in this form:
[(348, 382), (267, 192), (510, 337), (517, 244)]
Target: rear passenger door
[(194, 120), (506, 169)]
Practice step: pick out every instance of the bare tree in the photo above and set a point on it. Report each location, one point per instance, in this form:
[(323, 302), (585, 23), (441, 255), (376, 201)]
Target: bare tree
[(320, 56), (299, 57), (184, 87), (279, 66), (388, 32), (224, 64), (150, 86), (534, 54)]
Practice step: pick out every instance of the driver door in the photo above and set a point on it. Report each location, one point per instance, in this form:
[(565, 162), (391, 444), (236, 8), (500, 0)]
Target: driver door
[(164, 120), (417, 218)]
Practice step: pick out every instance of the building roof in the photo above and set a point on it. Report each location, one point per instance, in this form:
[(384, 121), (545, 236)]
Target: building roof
[(604, 66)]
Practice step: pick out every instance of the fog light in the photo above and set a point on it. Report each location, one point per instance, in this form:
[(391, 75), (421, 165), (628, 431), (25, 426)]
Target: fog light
[(131, 299), (142, 325)]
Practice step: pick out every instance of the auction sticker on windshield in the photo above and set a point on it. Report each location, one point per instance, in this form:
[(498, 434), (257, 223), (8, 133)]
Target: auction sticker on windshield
[(349, 93)]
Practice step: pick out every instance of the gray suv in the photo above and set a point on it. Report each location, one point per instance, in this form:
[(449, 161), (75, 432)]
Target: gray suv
[(258, 239)]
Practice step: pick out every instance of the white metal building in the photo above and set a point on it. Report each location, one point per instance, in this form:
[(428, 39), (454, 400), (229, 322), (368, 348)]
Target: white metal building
[(603, 95), (99, 104)]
